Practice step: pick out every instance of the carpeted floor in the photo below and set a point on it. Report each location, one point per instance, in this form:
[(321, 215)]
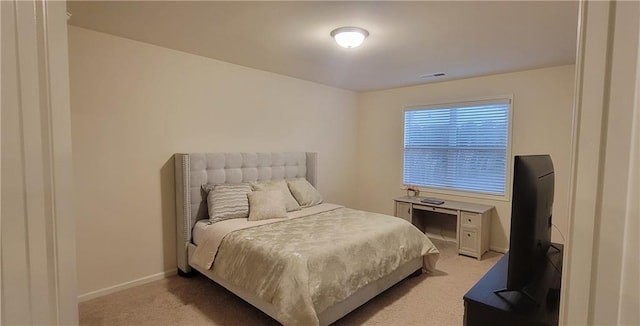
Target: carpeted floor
[(429, 299)]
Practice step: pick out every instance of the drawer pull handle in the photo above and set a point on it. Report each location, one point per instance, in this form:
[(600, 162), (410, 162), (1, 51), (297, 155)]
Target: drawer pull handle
[(469, 234), (469, 220)]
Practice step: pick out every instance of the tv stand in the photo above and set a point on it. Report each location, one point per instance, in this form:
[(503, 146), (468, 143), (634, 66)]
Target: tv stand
[(487, 303), (523, 294)]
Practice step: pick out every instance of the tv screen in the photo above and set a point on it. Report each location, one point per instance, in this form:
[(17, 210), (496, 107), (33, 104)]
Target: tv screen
[(531, 213)]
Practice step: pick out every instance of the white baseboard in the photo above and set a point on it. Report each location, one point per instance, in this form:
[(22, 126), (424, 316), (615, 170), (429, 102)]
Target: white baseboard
[(498, 249), (126, 285)]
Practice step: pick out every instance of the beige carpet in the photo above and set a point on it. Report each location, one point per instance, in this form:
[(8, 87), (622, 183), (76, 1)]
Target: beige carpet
[(429, 299)]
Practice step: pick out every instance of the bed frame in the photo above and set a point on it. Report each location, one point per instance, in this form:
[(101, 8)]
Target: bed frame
[(196, 169)]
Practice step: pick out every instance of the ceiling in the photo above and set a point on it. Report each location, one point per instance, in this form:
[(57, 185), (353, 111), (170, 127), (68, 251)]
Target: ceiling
[(407, 40)]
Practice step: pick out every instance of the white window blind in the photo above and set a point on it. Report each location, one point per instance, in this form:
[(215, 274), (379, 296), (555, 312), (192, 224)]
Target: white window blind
[(460, 147)]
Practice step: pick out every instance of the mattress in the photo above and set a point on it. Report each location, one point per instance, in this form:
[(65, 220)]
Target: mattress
[(199, 232)]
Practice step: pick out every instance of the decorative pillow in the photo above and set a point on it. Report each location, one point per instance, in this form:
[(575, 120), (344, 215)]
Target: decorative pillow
[(208, 187), (228, 201), (289, 202), (266, 204), (304, 192)]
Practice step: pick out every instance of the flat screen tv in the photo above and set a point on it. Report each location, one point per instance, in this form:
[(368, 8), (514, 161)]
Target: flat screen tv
[(531, 213)]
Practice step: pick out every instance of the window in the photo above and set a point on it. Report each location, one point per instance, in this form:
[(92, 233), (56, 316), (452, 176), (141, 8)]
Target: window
[(458, 147)]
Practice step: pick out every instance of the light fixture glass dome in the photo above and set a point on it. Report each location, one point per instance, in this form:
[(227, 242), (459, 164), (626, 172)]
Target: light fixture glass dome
[(349, 37)]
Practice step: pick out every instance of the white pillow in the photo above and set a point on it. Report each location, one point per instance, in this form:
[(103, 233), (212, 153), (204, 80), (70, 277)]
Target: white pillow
[(228, 201), (304, 192), (290, 203), (266, 204)]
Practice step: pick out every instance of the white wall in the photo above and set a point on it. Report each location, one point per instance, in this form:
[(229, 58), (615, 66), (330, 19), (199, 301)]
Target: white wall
[(134, 105), (542, 113)]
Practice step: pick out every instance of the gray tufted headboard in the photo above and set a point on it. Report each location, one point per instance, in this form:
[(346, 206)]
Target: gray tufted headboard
[(196, 169)]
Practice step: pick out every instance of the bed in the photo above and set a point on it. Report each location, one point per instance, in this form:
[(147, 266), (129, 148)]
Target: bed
[(310, 267)]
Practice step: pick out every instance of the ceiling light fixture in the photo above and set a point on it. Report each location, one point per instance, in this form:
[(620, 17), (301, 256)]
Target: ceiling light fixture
[(349, 37)]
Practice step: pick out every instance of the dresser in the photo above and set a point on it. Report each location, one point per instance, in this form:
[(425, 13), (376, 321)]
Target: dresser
[(470, 227)]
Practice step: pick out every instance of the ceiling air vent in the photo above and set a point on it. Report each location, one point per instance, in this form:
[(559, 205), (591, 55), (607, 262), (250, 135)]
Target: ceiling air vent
[(433, 75)]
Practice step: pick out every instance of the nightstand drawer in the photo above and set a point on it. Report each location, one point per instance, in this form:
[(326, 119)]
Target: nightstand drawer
[(469, 240), (473, 220)]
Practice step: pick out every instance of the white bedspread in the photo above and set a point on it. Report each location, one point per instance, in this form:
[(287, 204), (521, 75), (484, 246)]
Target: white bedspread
[(312, 260), (211, 236)]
